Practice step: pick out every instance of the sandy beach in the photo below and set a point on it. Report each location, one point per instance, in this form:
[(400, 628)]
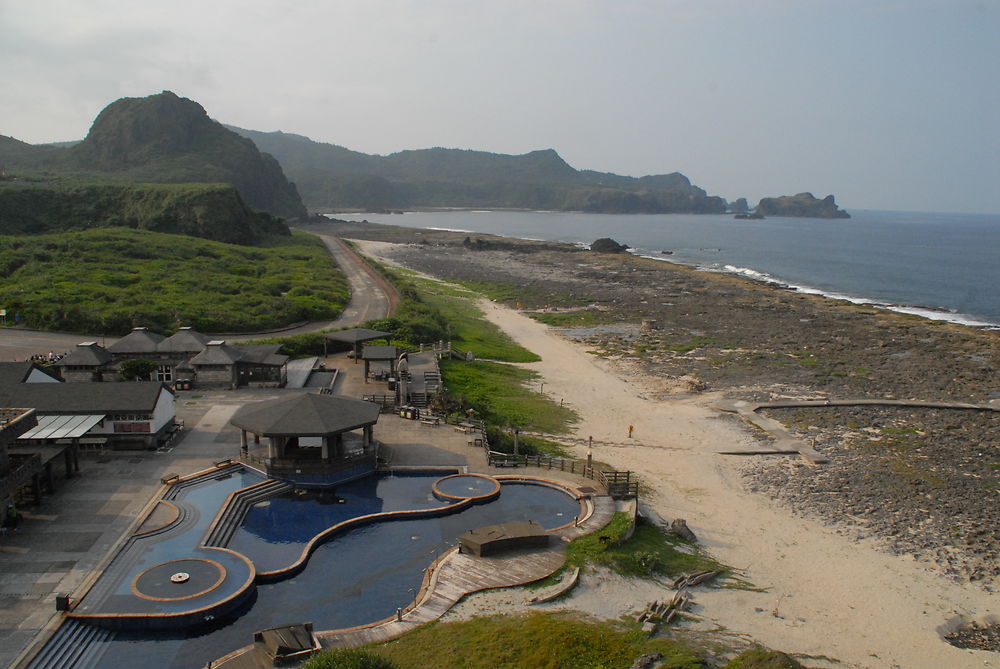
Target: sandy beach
[(819, 590)]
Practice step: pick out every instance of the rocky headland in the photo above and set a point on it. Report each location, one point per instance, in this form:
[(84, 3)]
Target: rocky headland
[(803, 205)]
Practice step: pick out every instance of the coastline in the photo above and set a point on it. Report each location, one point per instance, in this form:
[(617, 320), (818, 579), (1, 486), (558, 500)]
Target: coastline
[(829, 588), (893, 264), (930, 313)]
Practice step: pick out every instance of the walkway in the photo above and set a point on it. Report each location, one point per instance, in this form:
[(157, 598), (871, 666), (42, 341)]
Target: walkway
[(456, 575), (785, 440)]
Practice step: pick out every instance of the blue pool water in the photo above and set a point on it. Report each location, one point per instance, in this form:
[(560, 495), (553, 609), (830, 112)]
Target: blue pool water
[(275, 531), (360, 576)]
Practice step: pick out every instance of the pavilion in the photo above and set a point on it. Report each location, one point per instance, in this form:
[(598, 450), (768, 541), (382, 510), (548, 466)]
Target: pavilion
[(356, 337), (311, 438)]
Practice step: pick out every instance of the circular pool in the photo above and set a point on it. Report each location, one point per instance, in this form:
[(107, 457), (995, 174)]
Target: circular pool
[(475, 487), (178, 579)]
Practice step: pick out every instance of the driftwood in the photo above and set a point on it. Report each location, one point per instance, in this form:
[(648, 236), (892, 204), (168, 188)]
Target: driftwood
[(686, 580), (663, 612)]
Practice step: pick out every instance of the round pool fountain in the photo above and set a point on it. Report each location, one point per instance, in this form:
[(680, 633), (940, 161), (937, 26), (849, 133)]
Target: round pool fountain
[(178, 579), (475, 487)]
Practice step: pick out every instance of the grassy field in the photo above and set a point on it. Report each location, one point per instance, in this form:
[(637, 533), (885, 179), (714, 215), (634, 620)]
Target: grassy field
[(539, 641), (499, 393), (466, 325), (109, 280)]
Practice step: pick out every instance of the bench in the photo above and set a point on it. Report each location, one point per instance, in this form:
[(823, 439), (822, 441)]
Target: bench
[(430, 421)]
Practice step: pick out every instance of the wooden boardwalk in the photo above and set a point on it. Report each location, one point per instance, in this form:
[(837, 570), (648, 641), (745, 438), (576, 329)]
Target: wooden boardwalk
[(787, 442), (455, 575)]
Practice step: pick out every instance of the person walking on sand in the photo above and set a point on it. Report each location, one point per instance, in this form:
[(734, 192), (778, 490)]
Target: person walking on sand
[(630, 428)]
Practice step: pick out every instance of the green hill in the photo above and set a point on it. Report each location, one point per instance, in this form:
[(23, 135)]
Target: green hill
[(333, 177), (210, 211), (162, 138)]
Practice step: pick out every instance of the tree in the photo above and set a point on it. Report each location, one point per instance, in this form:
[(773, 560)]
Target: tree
[(137, 369)]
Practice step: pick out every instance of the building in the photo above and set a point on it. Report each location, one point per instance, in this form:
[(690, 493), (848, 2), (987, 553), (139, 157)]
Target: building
[(126, 415), (187, 358)]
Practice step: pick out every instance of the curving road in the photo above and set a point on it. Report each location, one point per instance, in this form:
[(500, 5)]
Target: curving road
[(371, 297)]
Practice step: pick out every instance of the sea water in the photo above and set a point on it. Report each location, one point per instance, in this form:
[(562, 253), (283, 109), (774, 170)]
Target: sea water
[(942, 266)]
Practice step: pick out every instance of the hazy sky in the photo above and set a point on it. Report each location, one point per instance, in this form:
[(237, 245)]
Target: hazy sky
[(888, 104)]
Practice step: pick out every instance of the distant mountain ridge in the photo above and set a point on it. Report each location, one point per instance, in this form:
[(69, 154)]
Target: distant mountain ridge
[(162, 138), (334, 177)]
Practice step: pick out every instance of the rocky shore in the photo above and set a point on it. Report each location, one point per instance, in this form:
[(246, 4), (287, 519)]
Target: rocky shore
[(919, 482)]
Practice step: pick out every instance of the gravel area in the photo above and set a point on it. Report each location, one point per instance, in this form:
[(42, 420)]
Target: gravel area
[(922, 481)]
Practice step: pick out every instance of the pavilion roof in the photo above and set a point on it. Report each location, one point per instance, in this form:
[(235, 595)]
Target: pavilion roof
[(356, 335), (306, 415)]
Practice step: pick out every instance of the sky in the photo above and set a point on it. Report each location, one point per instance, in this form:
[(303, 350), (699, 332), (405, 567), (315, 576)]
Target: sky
[(887, 104)]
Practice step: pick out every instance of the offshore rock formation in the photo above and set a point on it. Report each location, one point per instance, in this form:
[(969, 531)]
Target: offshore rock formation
[(803, 205)]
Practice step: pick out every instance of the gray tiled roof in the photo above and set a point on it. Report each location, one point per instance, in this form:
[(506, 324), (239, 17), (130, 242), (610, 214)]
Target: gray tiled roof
[(184, 340), (86, 355), (307, 415), (63, 398), (139, 340), (218, 354)]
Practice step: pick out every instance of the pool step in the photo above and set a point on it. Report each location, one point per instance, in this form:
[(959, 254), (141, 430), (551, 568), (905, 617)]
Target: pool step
[(239, 505), (75, 645)]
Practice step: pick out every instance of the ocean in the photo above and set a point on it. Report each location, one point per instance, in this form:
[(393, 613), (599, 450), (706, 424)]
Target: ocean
[(937, 265)]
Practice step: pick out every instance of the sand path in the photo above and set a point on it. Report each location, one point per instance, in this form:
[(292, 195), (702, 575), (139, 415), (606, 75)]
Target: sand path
[(825, 594)]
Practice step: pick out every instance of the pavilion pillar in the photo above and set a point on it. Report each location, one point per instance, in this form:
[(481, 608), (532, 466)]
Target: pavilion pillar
[(68, 461), (50, 482), (325, 453), (36, 488), (366, 371), (368, 432), (272, 448)]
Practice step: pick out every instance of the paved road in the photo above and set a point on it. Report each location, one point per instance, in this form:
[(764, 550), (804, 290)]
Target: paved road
[(371, 297)]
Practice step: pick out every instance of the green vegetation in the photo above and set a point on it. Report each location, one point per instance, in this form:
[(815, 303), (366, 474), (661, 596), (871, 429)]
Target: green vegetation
[(650, 551), (465, 324), (498, 393), (539, 641), (211, 211), (112, 279), (581, 318), (502, 440), (434, 311), (137, 369), (348, 658), (761, 658), (161, 138)]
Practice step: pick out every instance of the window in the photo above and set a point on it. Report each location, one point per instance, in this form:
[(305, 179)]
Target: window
[(165, 373)]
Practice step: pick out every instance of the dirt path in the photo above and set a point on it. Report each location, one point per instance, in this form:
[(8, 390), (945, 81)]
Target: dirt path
[(825, 594)]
